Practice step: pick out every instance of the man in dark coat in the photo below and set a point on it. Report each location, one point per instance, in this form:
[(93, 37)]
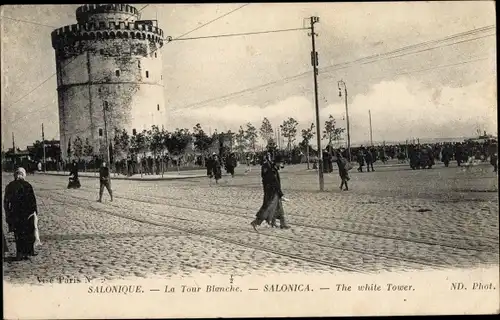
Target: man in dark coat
[(361, 160), (343, 171), (369, 158), (104, 181), (20, 209), (231, 163)]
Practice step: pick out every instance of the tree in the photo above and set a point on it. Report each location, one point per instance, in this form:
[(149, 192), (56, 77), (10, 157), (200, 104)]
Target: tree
[(38, 149), (78, 148), (155, 140), (140, 142), (122, 143), (251, 135), (331, 132), (289, 131), (241, 140), (231, 137), (177, 142), (69, 150), (202, 142), (88, 151), (307, 135), (266, 131)]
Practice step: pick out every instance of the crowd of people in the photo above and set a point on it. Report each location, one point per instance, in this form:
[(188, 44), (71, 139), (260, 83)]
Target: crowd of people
[(22, 213)]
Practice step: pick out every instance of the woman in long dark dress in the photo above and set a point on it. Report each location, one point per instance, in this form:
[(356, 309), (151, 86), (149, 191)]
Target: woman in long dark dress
[(217, 169), (272, 207), (74, 180)]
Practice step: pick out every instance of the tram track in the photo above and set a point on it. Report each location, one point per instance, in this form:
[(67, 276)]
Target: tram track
[(337, 218), (274, 235), (344, 230), (225, 240)]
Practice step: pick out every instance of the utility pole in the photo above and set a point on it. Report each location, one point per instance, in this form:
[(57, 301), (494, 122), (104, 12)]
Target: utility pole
[(371, 132), (108, 157), (13, 144), (342, 83), (314, 62), (43, 144)]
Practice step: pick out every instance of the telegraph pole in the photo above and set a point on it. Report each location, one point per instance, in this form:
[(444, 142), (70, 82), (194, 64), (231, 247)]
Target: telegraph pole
[(43, 144), (314, 62), (371, 132), (105, 108), (13, 144), (342, 83)]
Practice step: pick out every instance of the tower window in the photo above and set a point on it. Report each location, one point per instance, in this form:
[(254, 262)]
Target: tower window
[(100, 90), (134, 132), (158, 107), (106, 105), (100, 132), (156, 55), (147, 74), (101, 51), (161, 77), (117, 73)]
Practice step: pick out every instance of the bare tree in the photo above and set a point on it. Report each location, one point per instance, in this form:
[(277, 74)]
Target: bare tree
[(307, 135), (332, 132), (289, 131)]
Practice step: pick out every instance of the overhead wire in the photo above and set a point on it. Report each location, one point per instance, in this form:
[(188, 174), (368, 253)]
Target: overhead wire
[(186, 33), (339, 66), (50, 77), (426, 43), (240, 34), (189, 32), (29, 22)]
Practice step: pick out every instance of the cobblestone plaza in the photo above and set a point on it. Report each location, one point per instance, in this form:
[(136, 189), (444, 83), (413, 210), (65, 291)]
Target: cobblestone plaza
[(392, 219)]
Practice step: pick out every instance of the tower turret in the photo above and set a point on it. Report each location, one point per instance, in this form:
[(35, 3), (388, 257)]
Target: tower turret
[(109, 59)]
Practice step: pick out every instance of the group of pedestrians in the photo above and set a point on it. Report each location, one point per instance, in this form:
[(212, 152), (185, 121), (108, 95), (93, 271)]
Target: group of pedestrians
[(21, 211)]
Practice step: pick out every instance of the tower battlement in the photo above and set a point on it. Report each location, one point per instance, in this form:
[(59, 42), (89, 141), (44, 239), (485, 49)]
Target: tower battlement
[(109, 75), (90, 12), (105, 30)]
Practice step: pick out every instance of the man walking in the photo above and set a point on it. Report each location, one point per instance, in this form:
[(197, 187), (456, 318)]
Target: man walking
[(104, 181)]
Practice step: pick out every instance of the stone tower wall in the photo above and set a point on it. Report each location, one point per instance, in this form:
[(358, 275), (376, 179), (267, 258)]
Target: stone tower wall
[(108, 59)]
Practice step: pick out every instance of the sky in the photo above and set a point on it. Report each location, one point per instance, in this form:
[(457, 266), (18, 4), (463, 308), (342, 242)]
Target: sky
[(439, 90)]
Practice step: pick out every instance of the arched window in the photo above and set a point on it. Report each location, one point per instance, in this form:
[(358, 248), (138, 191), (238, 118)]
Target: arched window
[(158, 107), (100, 132), (117, 72), (134, 132), (147, 74), (156, 55)]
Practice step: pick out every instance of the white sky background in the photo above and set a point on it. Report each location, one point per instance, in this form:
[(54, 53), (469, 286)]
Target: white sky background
[(442, 102)]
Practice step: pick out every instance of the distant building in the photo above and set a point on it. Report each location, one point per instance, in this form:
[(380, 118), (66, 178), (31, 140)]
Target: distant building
[(108, 60)]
